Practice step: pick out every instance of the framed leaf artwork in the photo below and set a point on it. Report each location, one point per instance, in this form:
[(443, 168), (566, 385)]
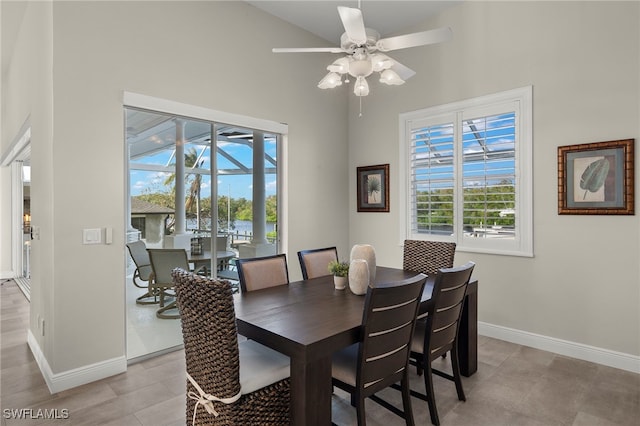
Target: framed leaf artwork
[(596, 178), (373, 188)]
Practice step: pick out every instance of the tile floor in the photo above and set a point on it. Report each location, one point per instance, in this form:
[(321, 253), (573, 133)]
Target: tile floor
[(514, 385)]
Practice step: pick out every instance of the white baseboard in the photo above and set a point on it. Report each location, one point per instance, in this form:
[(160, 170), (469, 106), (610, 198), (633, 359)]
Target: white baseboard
[(5, 275), (563, 347), (58, 382)]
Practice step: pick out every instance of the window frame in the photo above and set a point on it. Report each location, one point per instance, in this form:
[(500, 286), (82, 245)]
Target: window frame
[(516, 100)]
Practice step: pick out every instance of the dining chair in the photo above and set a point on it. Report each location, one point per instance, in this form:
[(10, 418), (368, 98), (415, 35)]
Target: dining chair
[(163, 261), (140, 257), (427, 256), (439, 333), (315, 263), (381, 358), (228, 382), (256, 273)]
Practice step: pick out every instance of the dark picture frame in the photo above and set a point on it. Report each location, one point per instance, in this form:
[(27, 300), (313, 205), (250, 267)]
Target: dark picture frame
[(373, 188), (596, 178)]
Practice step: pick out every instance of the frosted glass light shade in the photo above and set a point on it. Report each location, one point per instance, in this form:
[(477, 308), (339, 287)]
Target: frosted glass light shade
[(330, 81), (340, 66), (381, 62), (391, 78), (361, 68), (361, 87)]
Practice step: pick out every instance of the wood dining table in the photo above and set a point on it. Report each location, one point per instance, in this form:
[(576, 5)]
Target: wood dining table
[(309, 320)]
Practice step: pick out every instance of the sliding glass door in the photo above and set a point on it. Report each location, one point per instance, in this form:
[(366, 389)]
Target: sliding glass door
[(183, 188)]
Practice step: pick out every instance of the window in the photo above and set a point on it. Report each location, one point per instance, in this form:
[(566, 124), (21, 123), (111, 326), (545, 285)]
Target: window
[(467, 173), (139, 223)]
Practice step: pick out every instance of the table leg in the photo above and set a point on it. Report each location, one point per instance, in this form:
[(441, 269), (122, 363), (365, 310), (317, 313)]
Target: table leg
[(468, 332), (311, 392)]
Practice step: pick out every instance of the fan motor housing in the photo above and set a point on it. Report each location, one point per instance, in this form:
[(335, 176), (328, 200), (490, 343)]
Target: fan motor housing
[(349, 46)]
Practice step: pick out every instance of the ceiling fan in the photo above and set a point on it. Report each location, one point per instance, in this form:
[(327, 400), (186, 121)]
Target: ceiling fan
[(363, 48)]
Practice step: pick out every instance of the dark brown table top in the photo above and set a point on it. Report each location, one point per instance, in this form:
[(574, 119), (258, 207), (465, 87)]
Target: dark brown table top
[(308, 317), (309, 320)]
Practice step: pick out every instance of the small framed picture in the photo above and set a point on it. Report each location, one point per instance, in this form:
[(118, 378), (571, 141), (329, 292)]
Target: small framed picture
[(596, 178), (373, 188)]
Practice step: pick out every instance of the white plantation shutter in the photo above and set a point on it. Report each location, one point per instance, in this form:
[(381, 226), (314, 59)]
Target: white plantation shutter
[(468, 170), (488, 174), (432, 178)]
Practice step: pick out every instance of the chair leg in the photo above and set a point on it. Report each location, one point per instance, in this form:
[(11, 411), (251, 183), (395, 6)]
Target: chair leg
[(153, 292), (362, 420), (431, 399), (161, 291), (406, 400), (455, 367), (160, 313)]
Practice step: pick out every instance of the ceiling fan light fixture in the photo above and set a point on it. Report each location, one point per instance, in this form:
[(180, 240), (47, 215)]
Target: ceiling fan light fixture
[(381, 62), (361, 68), (391, 78), (330, 81), (361, 87), (340, 66)]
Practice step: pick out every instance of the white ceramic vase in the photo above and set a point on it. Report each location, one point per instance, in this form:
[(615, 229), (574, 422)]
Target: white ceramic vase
[(368, 253), (358, 276)]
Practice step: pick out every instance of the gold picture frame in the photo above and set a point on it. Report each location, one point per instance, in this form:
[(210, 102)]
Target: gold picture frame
[(596, 178)]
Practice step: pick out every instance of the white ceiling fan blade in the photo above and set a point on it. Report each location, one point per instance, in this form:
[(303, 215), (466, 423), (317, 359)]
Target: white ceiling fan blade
[(307, 49), (353, 24), (403, 71), (414, 39)]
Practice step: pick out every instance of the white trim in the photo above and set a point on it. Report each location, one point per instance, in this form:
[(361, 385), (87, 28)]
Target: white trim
[(518, 100), (581, 351), (6, 275), (164, 105), (19, 143), (17, 226), (58, 382)]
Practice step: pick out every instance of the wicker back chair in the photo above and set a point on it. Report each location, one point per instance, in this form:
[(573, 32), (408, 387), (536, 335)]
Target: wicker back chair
[(140, 257), (315, 263), (228, 383), (382, 357), (428, 256), (439, 333)]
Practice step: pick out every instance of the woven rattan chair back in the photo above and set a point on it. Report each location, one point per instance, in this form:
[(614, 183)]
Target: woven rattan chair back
[(262, 272), (428, 256), (315, 263), (212, 357), (439, 334)]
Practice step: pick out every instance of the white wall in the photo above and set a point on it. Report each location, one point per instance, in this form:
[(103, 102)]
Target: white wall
[(582, 59), (16, 112), (27, 95), (210, 54)]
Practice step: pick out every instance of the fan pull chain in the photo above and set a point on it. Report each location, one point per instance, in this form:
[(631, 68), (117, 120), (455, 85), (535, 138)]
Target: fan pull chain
[(360, 115)]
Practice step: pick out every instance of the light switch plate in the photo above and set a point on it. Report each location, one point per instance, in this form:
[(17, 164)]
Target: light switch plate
[(92, 236)]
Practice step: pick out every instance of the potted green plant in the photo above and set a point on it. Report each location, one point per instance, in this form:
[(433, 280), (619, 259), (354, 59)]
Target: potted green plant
[(340, 271)]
